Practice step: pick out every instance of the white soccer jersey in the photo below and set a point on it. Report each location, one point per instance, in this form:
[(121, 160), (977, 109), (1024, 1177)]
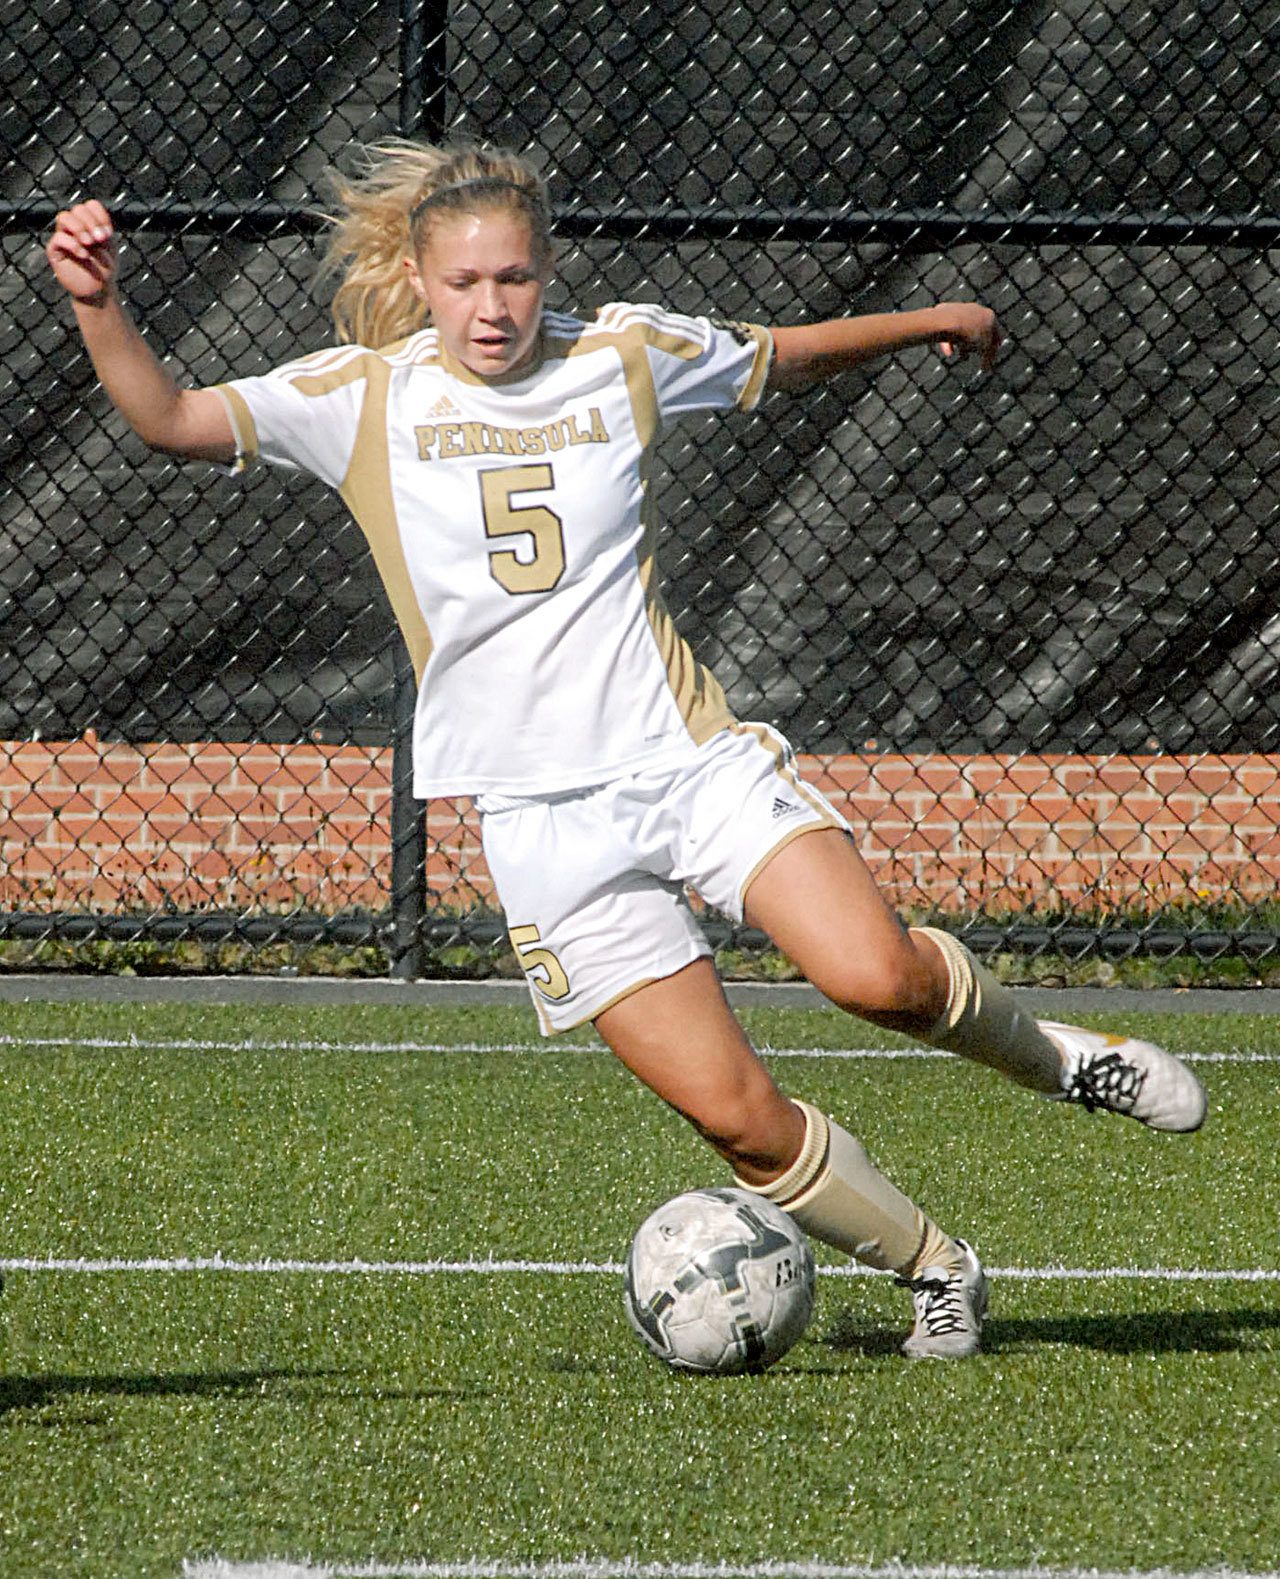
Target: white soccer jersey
[(513, 526)]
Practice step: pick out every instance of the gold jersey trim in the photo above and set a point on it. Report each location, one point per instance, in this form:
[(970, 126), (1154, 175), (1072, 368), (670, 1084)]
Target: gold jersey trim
[(754, 388), (243, 428), (825, 815), (698, 695), (619, 325), (366, 490)]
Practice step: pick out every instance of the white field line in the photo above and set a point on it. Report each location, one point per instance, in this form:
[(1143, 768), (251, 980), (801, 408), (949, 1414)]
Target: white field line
[(252, 1045), (551, 1045), (631, 1568), (492, 1266)]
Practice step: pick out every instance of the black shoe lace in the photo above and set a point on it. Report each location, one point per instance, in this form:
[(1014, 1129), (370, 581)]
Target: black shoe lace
[(1106, 1082), (939, 1302)]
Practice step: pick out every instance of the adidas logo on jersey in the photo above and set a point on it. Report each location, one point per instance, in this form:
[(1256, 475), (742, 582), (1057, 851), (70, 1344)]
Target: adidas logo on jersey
[(444, 407), (784, 808)]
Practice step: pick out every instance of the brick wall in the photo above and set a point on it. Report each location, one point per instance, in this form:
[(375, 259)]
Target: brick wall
[(90, 824), (1023, 832)]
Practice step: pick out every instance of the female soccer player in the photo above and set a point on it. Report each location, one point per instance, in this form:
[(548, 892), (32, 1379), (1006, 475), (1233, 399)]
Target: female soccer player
[(499, 457)]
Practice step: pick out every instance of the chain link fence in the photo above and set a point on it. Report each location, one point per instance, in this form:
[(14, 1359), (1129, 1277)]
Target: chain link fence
[(1025, 625)]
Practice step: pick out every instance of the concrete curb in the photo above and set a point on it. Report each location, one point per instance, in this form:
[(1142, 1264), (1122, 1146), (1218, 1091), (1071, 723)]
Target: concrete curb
[(301, 991)]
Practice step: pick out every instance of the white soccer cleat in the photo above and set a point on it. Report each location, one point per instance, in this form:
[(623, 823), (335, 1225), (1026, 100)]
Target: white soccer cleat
[(1119, 1074), (950, 1308)]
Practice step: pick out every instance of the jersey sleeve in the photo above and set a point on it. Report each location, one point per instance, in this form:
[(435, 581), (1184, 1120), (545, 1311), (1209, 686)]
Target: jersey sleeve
[(727, 370), (304, 416), (697, 364)]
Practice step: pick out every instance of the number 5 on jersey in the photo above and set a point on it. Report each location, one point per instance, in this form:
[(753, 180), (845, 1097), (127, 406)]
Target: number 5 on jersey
[(544, 970), (502, 518)]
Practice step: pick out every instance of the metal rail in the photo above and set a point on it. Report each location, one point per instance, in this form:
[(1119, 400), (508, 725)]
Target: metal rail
[(262, 220)]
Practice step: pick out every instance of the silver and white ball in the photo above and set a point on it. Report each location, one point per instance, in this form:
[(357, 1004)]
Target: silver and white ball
[(719, 1280)]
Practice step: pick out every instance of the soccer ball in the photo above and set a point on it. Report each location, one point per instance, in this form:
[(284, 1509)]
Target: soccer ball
[(719, 1280)]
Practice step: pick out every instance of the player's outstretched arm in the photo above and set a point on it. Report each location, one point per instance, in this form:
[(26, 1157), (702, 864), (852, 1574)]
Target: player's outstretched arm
[(190, 422), (806, 354)]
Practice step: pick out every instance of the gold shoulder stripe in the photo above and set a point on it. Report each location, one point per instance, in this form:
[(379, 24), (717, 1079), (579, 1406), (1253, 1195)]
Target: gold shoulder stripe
[(649, 326), (559, 329), (630, 337), (650, 313), (420, 349), (329, 355), (349, 372)]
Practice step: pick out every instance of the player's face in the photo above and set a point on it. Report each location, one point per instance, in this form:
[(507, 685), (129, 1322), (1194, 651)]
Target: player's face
[(482, 281)]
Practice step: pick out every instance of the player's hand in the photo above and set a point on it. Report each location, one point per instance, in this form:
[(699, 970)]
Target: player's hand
[(969, 330), (82, 252)]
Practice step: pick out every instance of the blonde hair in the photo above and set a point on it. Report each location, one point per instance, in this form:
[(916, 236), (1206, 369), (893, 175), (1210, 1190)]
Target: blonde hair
[(384, 214)]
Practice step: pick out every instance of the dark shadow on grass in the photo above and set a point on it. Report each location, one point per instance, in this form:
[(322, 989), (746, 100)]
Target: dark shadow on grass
[(32, 1392), (1152, 1332), (847, 1333), (576, 1365)]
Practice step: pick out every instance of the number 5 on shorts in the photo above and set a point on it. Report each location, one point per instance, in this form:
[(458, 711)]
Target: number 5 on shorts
[(540, 965)]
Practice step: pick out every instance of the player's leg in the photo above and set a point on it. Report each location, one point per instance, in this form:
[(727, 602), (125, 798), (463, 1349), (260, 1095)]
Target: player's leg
[(681, 1038), (599, 920), (785, 859), (819, 903), (817, 900)]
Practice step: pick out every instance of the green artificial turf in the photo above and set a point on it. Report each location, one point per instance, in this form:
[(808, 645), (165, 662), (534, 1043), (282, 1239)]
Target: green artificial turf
[(507, 1415)]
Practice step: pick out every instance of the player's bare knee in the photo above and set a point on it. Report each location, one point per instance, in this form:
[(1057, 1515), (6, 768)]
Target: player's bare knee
[(757, 1137), (896, 986)]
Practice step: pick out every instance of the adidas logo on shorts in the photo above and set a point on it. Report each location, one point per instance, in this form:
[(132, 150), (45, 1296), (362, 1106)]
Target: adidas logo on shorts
[(784, 808)]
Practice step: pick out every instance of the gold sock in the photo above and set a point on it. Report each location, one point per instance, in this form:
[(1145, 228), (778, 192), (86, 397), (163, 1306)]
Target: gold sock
[(837, 1194), (983, 1021)]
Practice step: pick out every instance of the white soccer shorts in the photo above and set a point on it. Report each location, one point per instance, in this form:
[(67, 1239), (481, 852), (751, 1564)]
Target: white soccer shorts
[(593, 881)]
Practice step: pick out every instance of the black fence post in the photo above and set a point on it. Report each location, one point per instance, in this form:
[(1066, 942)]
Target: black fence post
[(408, 833), (421, 114)]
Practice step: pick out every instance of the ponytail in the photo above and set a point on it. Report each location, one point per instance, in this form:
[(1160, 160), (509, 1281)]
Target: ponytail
[(384, 214)]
